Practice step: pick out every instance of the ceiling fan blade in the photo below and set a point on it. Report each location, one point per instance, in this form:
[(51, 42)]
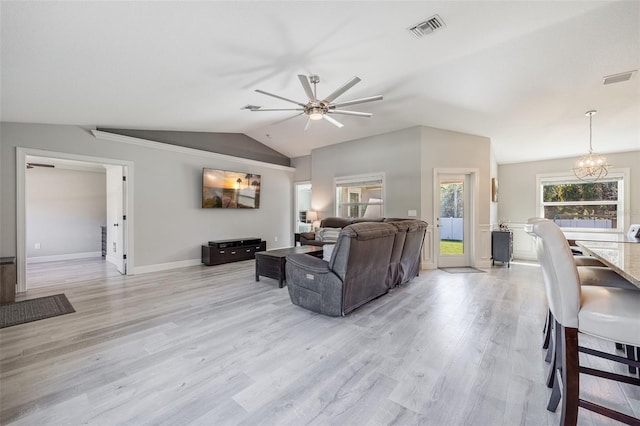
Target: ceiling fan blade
[(357, 114), (288, 118), (348, 85), (357, 101), (333, 121), (279, 97), (277, 109), (306, 127), (307, 87)]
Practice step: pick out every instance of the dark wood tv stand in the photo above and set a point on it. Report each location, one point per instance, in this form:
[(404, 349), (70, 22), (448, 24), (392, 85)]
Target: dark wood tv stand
[(226, 251)]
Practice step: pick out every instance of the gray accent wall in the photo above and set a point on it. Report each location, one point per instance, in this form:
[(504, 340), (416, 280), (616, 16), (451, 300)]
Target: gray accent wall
[(169, 223), (234, 144), (395, 154), (303, 168), (65, 209)]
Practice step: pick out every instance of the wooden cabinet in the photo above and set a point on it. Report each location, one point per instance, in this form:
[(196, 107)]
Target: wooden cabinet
[(502, 247), (7, 279), (219, 252)]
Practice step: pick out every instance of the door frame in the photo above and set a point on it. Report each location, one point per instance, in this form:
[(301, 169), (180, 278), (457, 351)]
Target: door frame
[(474, 191), (295, 203), (119, 235), (21, 205)]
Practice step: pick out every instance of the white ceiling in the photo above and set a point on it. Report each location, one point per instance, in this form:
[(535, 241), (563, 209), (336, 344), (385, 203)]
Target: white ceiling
[(520, 72)]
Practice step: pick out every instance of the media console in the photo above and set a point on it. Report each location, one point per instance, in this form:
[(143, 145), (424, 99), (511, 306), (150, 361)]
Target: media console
[(225, 251)]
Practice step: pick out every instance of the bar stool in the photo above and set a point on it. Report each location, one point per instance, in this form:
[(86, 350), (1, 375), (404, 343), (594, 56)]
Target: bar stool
[(606, 313)]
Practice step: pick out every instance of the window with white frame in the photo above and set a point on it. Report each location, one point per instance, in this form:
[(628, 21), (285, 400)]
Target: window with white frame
[(360, 196), (586, 206)]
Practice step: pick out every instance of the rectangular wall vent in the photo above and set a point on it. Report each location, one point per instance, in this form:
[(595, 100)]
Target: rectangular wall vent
[(617, 78), (427, 26)]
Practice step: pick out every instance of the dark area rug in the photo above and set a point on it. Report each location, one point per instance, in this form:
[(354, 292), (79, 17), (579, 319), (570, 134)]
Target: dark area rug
[(34, 310), (465, 270)]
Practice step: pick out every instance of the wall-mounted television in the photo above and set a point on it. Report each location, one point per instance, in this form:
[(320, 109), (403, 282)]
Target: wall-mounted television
[(230, 190)]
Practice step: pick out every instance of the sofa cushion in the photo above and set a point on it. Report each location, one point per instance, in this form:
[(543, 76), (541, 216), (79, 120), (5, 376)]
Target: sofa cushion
[(327, 251), (327, 234)]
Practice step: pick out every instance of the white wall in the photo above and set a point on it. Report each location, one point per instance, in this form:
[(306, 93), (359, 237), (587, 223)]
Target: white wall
[(397, 154), (454, 150), (407, 158), (65, 209), (494, 219), (170, 225), (518, 192)]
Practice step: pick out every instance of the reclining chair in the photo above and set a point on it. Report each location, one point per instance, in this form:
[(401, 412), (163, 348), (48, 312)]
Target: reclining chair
[(355, 274)]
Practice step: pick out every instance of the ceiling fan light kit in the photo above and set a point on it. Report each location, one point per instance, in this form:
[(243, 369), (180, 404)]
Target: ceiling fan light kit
[(592, 166), (317, 109)]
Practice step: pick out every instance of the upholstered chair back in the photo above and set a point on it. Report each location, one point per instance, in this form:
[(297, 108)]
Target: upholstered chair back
[(405, 260), (361, 259), (562, 282), (335, 222)]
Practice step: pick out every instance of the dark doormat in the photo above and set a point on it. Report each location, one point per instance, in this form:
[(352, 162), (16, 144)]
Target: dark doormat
[(34, 310), (464, 270)]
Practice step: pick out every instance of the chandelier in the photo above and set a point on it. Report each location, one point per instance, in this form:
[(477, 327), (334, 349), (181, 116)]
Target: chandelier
[(592, 166)]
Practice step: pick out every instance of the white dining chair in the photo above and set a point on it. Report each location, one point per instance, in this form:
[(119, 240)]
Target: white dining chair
[(603, 312)]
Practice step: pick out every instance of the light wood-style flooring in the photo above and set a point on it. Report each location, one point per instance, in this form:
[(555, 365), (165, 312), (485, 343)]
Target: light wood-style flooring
[(85, 271), (210, 346)]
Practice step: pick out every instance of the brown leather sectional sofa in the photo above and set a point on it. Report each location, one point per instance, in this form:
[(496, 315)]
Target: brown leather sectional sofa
[(369, 258)]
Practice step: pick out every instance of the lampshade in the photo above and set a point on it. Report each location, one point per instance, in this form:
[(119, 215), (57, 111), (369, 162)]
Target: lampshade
[(312, 216), (592, 166)]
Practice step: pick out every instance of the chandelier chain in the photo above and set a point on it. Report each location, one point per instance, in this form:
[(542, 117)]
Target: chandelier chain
[(591, 167)]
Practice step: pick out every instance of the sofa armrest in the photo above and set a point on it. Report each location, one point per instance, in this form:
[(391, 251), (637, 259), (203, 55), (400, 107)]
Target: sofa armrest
[(308, 263), (307, 236), (312, 285)]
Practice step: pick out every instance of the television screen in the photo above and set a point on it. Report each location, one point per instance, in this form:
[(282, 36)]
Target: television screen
[(230, 190)]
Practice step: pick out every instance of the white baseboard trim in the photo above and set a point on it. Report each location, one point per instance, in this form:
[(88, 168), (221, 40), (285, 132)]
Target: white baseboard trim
[(166, 266), (483, 264), (57, 257)]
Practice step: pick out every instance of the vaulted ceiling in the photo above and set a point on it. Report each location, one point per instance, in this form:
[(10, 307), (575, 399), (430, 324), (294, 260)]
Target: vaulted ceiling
[(522, 73)]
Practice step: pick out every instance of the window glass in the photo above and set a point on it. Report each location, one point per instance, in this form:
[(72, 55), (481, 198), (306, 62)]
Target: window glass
[(359, 197), (575, 204)]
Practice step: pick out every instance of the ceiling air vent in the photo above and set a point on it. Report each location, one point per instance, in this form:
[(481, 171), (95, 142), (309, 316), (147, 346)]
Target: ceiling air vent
[(427, 26), (618, 78)]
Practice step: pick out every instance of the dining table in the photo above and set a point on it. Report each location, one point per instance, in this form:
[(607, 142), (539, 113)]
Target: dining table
[(621, 256)]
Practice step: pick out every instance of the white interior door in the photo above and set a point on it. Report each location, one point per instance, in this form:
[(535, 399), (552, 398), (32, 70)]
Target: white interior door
[(453, 224), (115, 217)]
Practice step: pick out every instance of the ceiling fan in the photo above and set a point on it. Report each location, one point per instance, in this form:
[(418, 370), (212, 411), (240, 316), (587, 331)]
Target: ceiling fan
[(317, 109)]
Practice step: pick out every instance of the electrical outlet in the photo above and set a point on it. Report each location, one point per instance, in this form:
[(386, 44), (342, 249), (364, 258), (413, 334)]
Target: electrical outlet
[(36, 246), (114, 247), (275, 239), (412, 213)]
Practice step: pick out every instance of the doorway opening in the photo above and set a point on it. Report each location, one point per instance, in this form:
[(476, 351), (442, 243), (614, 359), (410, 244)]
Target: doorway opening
[(73, 218), (454, 210), (302, 203)]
